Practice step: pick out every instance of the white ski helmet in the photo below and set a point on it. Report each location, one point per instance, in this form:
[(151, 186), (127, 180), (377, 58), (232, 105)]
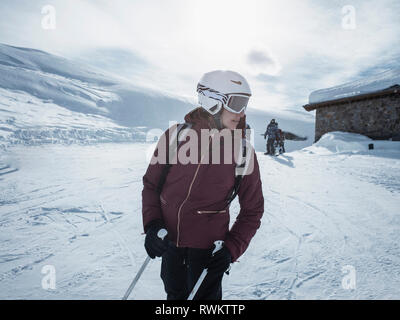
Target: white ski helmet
[(228, 89)]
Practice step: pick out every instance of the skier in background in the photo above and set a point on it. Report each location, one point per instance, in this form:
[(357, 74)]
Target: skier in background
[(271, 134), (280, 138)]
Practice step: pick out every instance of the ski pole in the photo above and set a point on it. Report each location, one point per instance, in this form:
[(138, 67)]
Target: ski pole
[(161, 234), (218, 245)]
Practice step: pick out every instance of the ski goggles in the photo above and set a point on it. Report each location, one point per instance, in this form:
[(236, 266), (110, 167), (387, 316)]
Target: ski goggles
[(236, 102)]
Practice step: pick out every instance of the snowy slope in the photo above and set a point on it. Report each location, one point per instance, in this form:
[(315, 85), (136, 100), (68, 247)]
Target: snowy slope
[(50, 77), (25, 119), (369, 84), (78, 208), (81, 88), (45, 98)]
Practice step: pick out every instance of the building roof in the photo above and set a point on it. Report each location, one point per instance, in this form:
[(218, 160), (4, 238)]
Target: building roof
[(366, 96), (367, 84)]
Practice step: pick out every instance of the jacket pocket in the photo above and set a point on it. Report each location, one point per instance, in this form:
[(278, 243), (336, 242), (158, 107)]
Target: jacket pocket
[(211, 211)]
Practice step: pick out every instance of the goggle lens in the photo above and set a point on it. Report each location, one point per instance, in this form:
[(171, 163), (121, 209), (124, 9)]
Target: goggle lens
[(237, 103)]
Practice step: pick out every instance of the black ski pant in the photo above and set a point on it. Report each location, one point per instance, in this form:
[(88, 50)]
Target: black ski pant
[(270, 145), (180, 270)]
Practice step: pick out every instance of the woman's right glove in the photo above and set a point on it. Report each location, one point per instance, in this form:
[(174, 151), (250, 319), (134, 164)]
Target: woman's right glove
[(154, 245)]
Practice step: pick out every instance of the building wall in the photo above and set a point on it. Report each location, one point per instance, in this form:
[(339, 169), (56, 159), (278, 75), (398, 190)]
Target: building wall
[(377, 118)]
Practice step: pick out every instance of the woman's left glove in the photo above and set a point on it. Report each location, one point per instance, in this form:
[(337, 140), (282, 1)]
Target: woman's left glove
[(220, 261)]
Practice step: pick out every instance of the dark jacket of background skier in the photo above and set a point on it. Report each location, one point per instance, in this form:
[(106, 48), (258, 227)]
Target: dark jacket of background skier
[(193, 195), (271, 131)]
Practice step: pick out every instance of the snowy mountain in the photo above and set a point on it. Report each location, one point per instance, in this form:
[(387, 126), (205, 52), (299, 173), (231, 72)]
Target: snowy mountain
[(368, 84), (329, 209), (48, 99)]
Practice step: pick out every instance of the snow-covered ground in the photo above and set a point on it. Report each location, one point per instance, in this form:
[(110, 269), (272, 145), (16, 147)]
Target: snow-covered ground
[(78, 208)]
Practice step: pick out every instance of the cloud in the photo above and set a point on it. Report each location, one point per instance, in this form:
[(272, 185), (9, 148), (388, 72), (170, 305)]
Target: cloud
[(266, 78), (262, 62), (260, 58)]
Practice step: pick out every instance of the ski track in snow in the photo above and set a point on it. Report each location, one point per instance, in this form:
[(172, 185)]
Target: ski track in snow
[(78, 208)]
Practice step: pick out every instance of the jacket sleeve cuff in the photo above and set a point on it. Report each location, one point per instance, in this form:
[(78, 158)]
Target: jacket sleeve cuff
[(158, 223), (235, 253)]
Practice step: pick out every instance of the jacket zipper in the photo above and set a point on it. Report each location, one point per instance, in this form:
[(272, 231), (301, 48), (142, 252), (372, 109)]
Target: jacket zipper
[(162, 200), (180, 207), (187, 196)]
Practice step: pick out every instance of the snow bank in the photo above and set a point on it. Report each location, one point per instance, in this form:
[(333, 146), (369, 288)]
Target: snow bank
[(344, 142), (374, 83)]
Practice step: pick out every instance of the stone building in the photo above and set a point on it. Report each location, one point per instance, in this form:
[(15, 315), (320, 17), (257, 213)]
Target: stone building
[(375, 114)]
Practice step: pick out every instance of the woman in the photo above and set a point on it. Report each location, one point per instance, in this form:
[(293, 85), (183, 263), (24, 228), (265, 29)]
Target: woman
[(190, 199)]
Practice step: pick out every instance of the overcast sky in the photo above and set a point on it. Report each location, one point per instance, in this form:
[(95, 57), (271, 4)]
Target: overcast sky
[(286, 49)]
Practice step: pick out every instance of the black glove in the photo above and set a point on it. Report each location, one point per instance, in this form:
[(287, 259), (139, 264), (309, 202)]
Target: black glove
[(220, 261), (154, 245)]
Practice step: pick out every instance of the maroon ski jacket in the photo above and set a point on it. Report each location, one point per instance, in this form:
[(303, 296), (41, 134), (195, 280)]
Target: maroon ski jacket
[(193, 198)]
